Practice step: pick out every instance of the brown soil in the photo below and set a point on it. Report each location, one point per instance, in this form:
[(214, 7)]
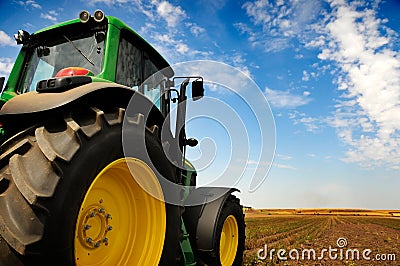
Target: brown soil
[(380, 235), (381, 240)]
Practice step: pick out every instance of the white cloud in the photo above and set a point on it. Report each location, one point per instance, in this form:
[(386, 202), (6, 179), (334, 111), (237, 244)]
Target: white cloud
[(283, 157), (306, 76), (6, 65), (165, 27), (30, 3), (284, 166), (174, 48), (280, 22), (278, 165), (284, 99), (238, 60), (312, 124), (6, 40), (368, 115), (196, 30), (53, 13), (155, 10), (182, 48), (316, 42), (147, 27), (110, 2), (48, 16), (170, 13)]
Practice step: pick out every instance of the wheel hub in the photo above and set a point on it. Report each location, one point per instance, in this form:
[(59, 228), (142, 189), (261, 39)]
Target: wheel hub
[(94, 226), (118, 222)]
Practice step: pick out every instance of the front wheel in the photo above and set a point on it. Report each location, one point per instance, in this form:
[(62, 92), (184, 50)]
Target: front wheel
[(67, 195), (228, 244)]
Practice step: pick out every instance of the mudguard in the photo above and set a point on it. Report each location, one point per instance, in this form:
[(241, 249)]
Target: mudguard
[(201, 219), (34, 101)]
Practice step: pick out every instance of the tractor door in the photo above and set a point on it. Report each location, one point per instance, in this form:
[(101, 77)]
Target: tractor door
[(137, 69)]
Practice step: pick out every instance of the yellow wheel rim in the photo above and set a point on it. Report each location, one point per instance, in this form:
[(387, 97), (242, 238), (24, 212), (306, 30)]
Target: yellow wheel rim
[(118, 222), (229, 241)]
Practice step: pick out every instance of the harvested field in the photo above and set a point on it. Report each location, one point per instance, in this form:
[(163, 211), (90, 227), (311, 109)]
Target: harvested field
[(380, 235)]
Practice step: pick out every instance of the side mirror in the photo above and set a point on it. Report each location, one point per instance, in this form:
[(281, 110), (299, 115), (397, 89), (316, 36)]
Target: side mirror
[(197, 89), (22, 37)]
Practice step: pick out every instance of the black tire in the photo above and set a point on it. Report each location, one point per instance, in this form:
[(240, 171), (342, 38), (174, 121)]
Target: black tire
[(38, 209), (233, 208)]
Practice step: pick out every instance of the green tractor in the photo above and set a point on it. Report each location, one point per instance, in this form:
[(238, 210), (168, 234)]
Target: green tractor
[(71, 193)]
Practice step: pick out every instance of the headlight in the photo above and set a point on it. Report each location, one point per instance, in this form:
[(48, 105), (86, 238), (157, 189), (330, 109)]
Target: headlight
[(84, 16), (98, 15)]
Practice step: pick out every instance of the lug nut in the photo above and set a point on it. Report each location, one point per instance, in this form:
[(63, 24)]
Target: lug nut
[(97, 244), (109, 228), (89, 240), (87, 227), (92, 214), (108, 216), (101, 210), (105, 240)]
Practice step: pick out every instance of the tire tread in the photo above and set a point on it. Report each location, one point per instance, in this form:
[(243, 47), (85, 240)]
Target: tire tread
[(19, 224)]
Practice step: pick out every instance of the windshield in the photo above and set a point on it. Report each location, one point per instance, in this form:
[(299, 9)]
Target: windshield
[(46, 61)]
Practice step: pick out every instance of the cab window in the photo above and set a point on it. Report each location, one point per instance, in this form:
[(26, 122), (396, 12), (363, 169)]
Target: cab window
[(129, 64), (136, 69), (154, 82)]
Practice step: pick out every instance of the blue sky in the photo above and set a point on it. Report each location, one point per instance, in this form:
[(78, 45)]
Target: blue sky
[(329, 69)]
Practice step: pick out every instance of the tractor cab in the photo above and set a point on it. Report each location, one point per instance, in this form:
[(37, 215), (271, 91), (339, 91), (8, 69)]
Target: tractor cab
[(101, 48)]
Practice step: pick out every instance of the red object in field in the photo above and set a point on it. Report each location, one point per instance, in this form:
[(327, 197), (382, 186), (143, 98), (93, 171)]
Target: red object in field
[(72, 71)]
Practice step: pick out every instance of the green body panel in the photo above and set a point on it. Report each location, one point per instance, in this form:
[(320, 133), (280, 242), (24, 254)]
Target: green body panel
[(186, 178), (99, 79), (10, 87), (111, 53), (7, 95), (187, 251)]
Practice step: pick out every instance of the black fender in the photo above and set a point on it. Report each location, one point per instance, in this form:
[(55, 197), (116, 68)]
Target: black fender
[(201, 219), (29, 108), (32, 102)]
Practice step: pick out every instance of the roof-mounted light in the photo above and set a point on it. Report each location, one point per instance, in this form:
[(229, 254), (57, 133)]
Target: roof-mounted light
[(84, 16), (98, 15)]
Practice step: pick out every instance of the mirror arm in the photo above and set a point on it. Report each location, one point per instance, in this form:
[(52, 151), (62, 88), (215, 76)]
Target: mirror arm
[(2, 79), (181, 116), (180, 132)]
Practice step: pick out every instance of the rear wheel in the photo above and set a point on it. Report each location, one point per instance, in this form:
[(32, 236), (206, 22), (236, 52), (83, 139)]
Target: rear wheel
[(229, 241), (67, 196)]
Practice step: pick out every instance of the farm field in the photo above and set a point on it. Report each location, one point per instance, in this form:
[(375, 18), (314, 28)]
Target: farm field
[(380, 234)]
